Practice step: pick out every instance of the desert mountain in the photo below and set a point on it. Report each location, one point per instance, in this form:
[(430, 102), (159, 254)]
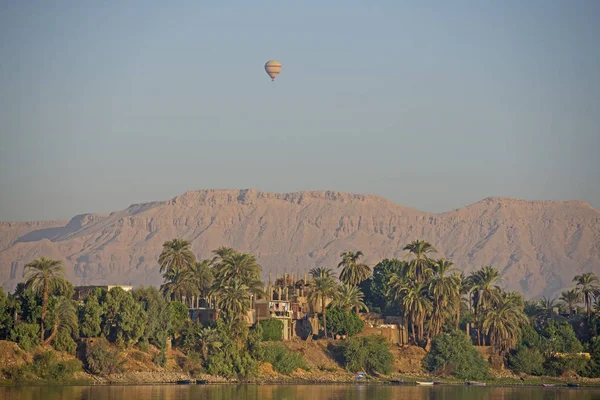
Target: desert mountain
[(538, 245)]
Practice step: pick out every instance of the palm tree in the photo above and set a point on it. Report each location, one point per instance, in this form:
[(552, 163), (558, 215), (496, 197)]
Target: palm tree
[(64, 317), (43, 275), (234, 302), (419, 266), (208, 340), (241, 267), (176, 254), (319, 272), (587, 283), (486, 292), (353, 271), (503, 322), (444, 290), (571, 298), (323, 287), (178, 283), (202, 278), (349, 297), (417, 305), (546, 306), (463, 287), (221, 253)]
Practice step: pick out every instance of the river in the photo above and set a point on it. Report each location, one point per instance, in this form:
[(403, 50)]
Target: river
[(292, 392)]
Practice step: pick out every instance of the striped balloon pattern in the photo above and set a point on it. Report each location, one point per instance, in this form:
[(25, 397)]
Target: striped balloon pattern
[(273, 68)]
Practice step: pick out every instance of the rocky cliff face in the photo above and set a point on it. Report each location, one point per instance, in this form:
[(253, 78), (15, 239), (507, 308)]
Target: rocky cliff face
[(538, 245)]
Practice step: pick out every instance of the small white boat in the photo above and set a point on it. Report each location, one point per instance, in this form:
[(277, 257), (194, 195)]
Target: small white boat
[(425, 383)]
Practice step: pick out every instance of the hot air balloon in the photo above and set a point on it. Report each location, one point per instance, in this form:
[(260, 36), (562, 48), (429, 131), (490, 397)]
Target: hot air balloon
[(273, 68)]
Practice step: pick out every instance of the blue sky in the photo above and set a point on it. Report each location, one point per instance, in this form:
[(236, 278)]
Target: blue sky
[(434, 105)]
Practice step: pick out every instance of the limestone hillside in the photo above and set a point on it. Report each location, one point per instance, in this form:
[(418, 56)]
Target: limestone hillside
[(538, 245)]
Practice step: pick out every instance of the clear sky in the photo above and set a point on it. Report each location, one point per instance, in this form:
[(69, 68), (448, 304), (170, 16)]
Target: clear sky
[(432, 104)]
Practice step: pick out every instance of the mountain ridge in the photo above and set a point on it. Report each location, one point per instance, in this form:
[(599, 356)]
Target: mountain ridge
[(537, 244)]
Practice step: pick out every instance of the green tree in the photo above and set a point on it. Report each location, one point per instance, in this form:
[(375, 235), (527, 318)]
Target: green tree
[(444, 290), (414, 300), (238, 267), (158, 315), (376, 288), (349, 297), (234, 302), (560, 338), (43, 275), (90, 315), (587, 283), (177, 283), (6, 319), (453, 354), (571, 298), (176, 254), (342, 322), (419, 267), (323, 287), (64, 317), (124, 319), (353, 271), (179, 316), (486, 292), (503, 323)]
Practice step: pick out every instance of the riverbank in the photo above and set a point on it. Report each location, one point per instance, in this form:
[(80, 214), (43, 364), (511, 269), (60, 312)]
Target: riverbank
[(17, 368)]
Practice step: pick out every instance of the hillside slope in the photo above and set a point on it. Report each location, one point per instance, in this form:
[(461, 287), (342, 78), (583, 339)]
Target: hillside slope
[(538, 245)]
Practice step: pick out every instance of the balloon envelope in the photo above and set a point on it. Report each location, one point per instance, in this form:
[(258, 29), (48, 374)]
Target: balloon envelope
[(273, 68)]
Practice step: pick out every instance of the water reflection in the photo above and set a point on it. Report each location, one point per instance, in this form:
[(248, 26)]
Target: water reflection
[(291, 392)]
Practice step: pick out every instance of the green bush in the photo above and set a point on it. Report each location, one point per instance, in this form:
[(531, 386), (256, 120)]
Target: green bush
[(559, 365), (527, 360), (193, 364), (101, 358), (283, 359), (26, 335), (559, 337), (593, 368), (341, 322), (453, 354), (47, 366), (272, 329), (368, 353), (64, 342)]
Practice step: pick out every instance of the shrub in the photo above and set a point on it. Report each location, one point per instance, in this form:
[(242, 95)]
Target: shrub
[(527, 360), (101, 358), (559, 337), (453, 354), (368, 353), (26, 335), (283, 359), (272, 329), (47, 366), (559, 365), (193, 364), (341, 322)]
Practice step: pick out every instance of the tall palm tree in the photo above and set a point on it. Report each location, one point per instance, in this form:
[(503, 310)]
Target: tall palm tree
[(323, 287), (420, 265), (349, 297), (178, 283), (233, 300), (176, 253), (444, 290), (64, 316), (571, 298), (587, 284), (221, 253), (353, 271), (417, 306), (43, 275), (463, 287), (503, 323), (202, 279), (486, 291), (240, 267), (546, 306)]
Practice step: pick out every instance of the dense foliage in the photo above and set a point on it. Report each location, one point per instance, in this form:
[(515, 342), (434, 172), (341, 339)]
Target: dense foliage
[(368, 353), (341, 322), (283, 359), (272, 329), (453, 354)]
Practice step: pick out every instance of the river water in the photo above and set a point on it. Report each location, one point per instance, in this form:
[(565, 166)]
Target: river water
[(292, 392)]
